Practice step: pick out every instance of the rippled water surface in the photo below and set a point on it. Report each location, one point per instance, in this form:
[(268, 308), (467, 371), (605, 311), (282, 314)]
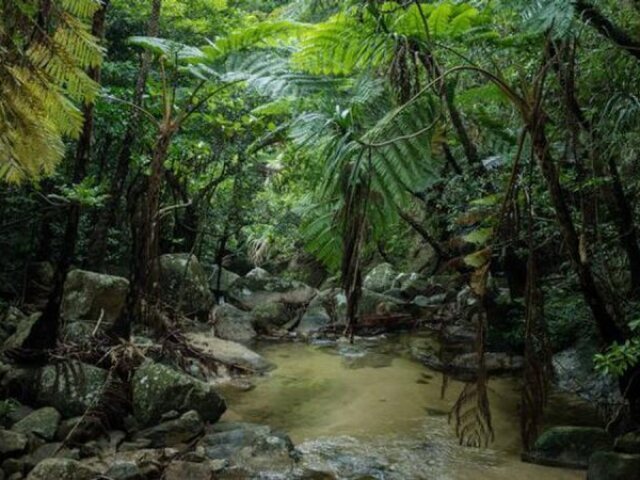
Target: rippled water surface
[(371, 411)]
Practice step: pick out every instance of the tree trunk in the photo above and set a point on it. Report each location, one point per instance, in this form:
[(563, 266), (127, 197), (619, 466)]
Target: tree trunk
[(98, 241), (44, 334)]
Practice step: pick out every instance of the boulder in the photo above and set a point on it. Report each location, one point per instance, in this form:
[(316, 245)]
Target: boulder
[(48, 450), (568, 447), (70, 387), (9, 322), (158, 389), (575, 373), (21, 332), (227, 279), (327, 308), (229, 353), (125, 470), (255, 449), (409, 285), (270, 316), (380, 278), (613, 466), (90, 297), (180, 470), (231, 323), (184, 284), (62, 469), (259, 287), (628, 443), (173, 432), (12, 443), (80, 429), (42, 423)]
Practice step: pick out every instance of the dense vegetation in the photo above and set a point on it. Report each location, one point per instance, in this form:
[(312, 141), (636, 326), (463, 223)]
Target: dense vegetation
[(491, 141)]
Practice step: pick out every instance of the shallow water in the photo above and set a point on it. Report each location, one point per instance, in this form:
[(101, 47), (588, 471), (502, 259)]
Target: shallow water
[(371, 411)]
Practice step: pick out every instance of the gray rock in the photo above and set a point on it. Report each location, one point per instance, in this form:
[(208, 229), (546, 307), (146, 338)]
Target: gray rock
[(12, 443), (184, 284), (258, 287), (614, 466), (411, 284), (80, 429), (229, 353), (173, 432), (568, 447), (62, 469), (125, 470), (270, 316), (233, 324), (380, 278), (180, 470), (158, 389), (9, 322), (49, 450), (43, 423), (90, 297), (227, 279)]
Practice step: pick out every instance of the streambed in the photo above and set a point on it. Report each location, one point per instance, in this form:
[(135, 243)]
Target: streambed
[(371, 411)]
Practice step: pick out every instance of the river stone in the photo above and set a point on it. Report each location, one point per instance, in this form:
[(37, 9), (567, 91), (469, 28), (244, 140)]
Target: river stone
[(380, 278), (173, 432), (43, 423), (259, 287), (231, 323), (158, 389), (229, 353), (89, 297), (9, 322), (227, 279), (180, 470), (270, 316), (568, 447), (253, 448), (182, 275), (48, 450), (80, 429), (613, 466), (12, 443), (70, 387), (62, 469), (125, 470), (409, 285)]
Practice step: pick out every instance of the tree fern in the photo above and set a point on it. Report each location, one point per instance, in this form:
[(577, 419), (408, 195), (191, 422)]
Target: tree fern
[(42, 79)]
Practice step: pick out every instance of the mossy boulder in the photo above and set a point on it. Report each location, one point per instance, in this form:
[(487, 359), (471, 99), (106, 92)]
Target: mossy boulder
[(231, 323), (173, 432), (628, 443), (184, 284), (90, 297), (380, 278), (42, 422), (21, 331), (62, 469), (569, 447), (229, 353), (614, 466), (227, 279), (158, 389), (70, 387), (259, 287), (12, 443), (270, 316)]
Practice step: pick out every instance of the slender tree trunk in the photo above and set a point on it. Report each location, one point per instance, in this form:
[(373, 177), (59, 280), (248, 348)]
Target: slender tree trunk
[(44, 334), (98, 241)]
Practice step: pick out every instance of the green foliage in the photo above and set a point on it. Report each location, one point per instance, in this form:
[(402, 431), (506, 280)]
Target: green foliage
[(619, 358)]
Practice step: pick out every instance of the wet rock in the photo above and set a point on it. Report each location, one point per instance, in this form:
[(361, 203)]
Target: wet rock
[(317, 316), (466, 364), (249, 447), (184, 284), (173, 432), (49, 450), (433, 300), (90, 297), (42, 423), (70, 387), (231, 323), (614, 466), (125, 470), (628, 443), (380, 278), (568, 447), (410, 285), (158, 389), (12, 443), (229, 353), (62, 469)]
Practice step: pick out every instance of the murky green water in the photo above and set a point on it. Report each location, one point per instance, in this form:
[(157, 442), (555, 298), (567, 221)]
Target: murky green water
[(370, 411)]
